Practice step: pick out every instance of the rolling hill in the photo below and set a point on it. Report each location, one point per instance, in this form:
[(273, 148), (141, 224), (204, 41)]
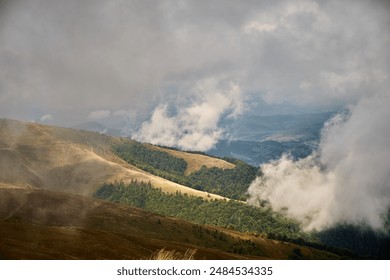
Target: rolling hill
[(49, 174), (41, 224), (69, 160)]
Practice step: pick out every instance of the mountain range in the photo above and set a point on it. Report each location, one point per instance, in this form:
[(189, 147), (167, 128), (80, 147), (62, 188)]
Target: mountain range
[(257, 139), (74, 194)]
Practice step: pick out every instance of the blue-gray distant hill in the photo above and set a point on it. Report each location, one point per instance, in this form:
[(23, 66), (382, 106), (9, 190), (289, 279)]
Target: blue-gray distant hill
[(257, 139)]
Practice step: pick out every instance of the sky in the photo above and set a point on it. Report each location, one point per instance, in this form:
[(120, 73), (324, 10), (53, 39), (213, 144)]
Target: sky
[(169, 72), (121, 62)]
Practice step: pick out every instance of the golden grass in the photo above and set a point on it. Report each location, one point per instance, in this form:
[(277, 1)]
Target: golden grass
[(164, 254), (41, 224), (195, 161), (11, 186), (69, 160)]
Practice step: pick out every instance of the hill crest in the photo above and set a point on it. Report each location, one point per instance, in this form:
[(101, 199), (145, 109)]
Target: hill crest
[(40, 156)]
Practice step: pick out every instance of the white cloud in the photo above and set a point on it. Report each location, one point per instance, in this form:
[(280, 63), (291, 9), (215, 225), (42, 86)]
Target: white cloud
[(98, 115), (347, 180), (195, 126), (256, 26), (46, 117), (161, 129)]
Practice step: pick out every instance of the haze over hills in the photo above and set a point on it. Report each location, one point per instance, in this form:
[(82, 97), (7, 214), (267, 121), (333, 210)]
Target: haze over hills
[(48, 175), (255, 138), (258, 139), (48, 157), (37, 158)]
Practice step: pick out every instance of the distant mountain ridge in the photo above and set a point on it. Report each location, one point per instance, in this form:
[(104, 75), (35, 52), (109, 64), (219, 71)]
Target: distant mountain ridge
[(257, 139)]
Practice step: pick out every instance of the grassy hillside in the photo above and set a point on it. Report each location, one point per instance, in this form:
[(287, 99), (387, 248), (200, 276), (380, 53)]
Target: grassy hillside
[(37, 224), (195, 161), (69, 160), (228, 179)]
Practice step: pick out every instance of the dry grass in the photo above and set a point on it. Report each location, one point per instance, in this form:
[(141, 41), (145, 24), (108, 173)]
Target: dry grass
[(196, 161), (164, 254), (69, 160), (40, 224), (11, 186)]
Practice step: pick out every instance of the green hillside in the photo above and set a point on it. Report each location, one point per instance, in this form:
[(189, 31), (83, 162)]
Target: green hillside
[(231, 214), (228, 214), (230, 183)]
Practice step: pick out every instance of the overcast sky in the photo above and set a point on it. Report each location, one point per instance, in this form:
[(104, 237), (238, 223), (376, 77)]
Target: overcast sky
[(68, 61)]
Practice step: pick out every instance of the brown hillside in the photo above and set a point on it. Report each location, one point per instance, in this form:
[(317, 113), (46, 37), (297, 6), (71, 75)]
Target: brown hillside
[(69, 160), (38, 224)]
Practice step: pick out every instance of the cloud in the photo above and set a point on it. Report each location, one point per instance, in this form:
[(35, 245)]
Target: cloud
[(255, 26), (98, 115), (346, 180), (69, 58), (195, 124), (46, 117), (305, 85), (321, 43)]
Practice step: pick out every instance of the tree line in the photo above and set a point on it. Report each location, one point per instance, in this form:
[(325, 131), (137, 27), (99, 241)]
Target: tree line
[(223, 213), (230, 183)]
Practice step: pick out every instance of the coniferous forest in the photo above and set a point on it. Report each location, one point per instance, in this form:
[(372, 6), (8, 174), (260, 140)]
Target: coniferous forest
[(230, 183)]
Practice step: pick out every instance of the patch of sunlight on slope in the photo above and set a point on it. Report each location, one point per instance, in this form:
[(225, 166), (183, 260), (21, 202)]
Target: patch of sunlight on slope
[(68, 160), (195, 161)]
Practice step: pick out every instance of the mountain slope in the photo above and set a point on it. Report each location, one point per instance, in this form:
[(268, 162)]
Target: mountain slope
[(69, 160), (39, 224), (196, 161), (45, 169)]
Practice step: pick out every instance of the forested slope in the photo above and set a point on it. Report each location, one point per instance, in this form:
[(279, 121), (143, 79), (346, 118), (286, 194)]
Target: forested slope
[(228, 182)]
